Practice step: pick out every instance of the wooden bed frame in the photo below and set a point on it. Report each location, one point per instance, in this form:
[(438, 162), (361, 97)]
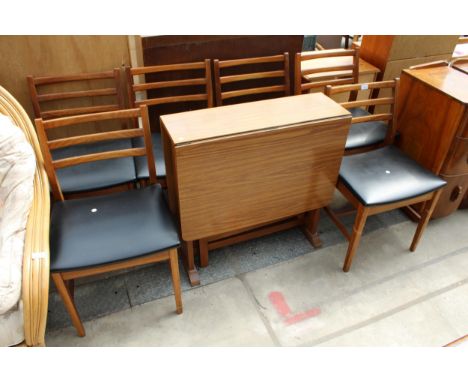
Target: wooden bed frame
[(35, 280)]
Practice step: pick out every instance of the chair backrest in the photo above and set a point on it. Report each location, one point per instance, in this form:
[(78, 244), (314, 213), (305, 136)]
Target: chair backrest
[(47, 145), (241, 77), (163, 92), (315, 70), (76, 94), (177, 87), (389, 117)]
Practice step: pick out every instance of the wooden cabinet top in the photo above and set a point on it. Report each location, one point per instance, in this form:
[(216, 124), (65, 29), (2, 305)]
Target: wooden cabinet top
[(200, 125), (446, 79), (462, 66)]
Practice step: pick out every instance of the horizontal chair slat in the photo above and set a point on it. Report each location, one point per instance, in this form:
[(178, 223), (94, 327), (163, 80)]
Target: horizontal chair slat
[(166, 68), (368, 102), (370, 85), (337, 68), (265, 89), (97, 137), (319, 84), (326, 54), (76, 94), (73, 161), (117, 114), (77, 110), (252, 76), (373, 117), (168, 84), (73, 77), (246, 61), (164, 100)]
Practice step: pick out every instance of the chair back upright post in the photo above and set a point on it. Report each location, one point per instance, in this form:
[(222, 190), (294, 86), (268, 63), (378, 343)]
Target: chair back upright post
[(339, 74), (47, 145), (92, 89), (241, 74), (389, 117)]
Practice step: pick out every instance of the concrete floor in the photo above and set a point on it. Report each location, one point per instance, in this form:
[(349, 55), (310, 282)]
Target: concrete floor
[(390, 297)]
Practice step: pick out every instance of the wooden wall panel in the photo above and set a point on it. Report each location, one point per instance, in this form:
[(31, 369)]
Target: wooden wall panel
[(53, 55)]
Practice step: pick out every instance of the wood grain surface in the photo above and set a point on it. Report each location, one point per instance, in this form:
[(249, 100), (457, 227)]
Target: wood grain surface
[(199, 125), (249, 164)]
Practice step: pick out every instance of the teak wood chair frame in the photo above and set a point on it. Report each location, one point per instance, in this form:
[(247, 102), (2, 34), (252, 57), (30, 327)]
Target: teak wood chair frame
[(363, 212), (38, 98), (95, 81), (388, 117), (135, 88), (220, 80), (64, 280), (350, 75)]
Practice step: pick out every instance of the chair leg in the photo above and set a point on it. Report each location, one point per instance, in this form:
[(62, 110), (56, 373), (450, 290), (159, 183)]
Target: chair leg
[(69, 303), (70, 284), (174, 265), (359, 223), (426, 213), (203, 246)]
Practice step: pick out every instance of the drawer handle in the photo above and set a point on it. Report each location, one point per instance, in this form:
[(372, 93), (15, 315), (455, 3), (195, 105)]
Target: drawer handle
[(456, 192)]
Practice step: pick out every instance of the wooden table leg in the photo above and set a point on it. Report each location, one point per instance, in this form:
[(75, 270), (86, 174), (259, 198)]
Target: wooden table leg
[(189, 263), (310, 227), (203, 245)]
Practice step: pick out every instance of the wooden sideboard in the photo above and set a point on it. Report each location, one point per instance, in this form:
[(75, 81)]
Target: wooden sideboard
[(392, 54), (433, 126), (234, 168)]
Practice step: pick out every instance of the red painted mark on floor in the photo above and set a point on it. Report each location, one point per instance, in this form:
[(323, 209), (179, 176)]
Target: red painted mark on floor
[(282, 307)]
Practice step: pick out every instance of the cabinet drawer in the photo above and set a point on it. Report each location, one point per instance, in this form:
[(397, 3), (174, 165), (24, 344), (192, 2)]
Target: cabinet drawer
[(457, 158), (451, 196)]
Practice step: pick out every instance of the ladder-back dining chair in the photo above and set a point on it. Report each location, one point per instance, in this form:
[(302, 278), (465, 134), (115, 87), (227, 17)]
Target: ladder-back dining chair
[(98, 234), (382, 180), (187, 86), (368, 131), (76, 94), (313, 71), (255, 77)]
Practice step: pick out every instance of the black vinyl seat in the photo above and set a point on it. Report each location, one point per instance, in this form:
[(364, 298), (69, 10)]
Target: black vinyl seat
[(111, 228), (365, 133), (141, 164), (385, 176), (116, 230), (95, 175)]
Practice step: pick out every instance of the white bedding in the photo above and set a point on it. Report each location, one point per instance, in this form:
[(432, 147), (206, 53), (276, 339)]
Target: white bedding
[(17, 167)]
